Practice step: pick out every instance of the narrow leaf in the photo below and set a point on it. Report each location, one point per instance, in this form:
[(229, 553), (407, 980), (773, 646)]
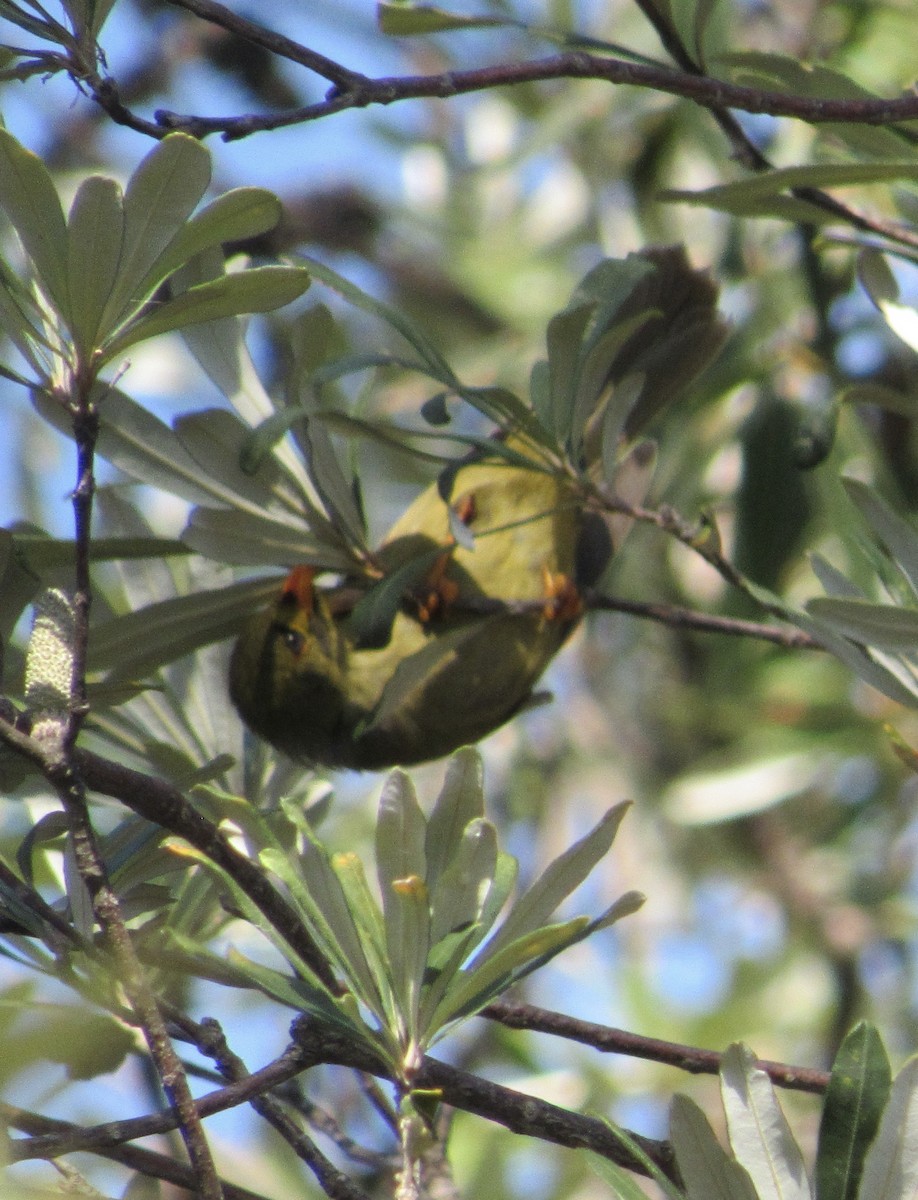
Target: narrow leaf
[(400, 829), (891, 1166), (161, 194), (857, 1093), (95, 233), (899, 536), (759, 1134), (557, 882), (460, 801), (259, 289), (707, 1170), (407, 20), (884, 626), (30, 200)]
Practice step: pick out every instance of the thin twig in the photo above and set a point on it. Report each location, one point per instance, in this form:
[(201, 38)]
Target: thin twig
[(61, 771), (144, 1162), (609, 1040), (275, 43), (686, 618), (334, 1183), (97, 1138)]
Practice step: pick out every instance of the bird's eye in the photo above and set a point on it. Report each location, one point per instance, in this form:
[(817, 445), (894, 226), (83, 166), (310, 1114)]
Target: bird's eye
[(291, 639)]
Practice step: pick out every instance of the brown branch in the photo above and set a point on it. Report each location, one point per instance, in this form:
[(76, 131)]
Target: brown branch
[(576, 64), (317, 1043), (145, 1162), (516, 1111), (685, 618), (609, 1040), (165, 805), (98, 1138), (212, 1042)]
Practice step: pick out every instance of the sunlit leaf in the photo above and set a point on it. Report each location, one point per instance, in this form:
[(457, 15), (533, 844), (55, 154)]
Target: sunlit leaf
[(556, 882), (759, 1134), (891, 1166)]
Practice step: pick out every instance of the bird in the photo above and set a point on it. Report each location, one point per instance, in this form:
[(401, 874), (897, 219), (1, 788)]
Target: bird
[(480, 582), (465, 648)]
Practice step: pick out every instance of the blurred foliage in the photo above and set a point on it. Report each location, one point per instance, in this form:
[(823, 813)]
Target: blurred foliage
[(773, 828)]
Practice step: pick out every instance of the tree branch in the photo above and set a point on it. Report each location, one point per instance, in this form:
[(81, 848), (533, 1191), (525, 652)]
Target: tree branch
[(609, 1040), (575, 64)]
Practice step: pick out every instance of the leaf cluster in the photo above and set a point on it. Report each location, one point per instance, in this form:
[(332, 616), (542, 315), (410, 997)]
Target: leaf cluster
[(439, 941)]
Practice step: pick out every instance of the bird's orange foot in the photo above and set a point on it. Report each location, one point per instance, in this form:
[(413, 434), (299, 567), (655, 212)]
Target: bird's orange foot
[(438, 592), (563, 601)]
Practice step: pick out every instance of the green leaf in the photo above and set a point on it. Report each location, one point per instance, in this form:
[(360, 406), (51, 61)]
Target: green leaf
[(435, 363), (133, 644), (215, 440), (857, 1093), (407, 919), (880, 284), (898, 535), (408, 20), (95, 233), (372, 931), (493, 973), (246, 539), (336, 491), (462, 887), (624, 1186), (23, 323), (161, 194), (883, 626), (707, 1171), (891, 1166), (242, 213), (317, 890), (759, 1134), (400, 830), (374, 613), (138, 443), (599, 1164), (461, 800), (258, 289), (556, 883), (763, 193), (30, 200)]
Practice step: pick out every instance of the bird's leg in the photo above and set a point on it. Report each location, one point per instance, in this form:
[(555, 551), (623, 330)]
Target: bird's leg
[(438, 592), (563, 601)]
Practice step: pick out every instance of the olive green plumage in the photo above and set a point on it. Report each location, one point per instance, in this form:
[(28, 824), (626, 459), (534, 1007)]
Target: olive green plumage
[(300, 679)]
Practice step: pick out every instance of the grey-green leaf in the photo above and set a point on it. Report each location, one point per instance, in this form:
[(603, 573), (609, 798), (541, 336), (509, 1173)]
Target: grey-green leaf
[(30, 200), (259, 289), (891, 1166), (555, 884), (162, 193), (759, 1133), (883, 626), (460, 801), (707, 1170), (95, 233)]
